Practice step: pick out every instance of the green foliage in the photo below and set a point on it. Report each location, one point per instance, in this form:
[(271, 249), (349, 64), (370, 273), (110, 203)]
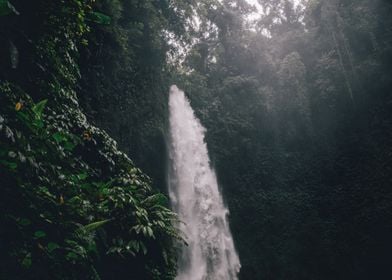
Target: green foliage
[(99, 18), (94, 226), (71, 198), (125, 75), (49, 176), (296, 118), (7, 8)]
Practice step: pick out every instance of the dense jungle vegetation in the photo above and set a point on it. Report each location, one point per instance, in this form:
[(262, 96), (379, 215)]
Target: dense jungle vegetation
[(296, 98)]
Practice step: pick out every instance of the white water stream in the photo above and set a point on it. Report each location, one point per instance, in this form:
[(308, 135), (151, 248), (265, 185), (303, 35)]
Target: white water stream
[(194, 192)]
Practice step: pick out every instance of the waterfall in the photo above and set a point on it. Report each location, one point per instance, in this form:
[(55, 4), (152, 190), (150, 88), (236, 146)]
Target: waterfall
[(194, 193)]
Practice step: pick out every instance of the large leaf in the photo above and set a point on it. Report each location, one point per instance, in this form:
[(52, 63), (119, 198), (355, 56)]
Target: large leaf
[(9, 164), (159, 199), (94, 226), (38, 108), (39, 234), (7, 8), (59, 137), (26, 262), (99, 18), (52, 246)]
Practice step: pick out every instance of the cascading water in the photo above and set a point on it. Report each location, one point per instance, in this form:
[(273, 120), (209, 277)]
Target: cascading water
[(193, 189)]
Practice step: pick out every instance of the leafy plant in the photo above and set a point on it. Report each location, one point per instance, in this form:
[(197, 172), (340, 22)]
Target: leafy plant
[(7, 8), (99, 18)]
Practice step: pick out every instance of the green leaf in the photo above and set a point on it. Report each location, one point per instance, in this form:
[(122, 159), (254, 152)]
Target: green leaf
[(26, 263), (71, 256), (158, 198), (150, 232), (144, 248), (59, 137), (8, 164), (24, 222), (38, 108), (94, 226), (38, 123), (68, 146), (99, 18), (52, 246), (82, 176), (7, 8), (23, 117), (39, 234)]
